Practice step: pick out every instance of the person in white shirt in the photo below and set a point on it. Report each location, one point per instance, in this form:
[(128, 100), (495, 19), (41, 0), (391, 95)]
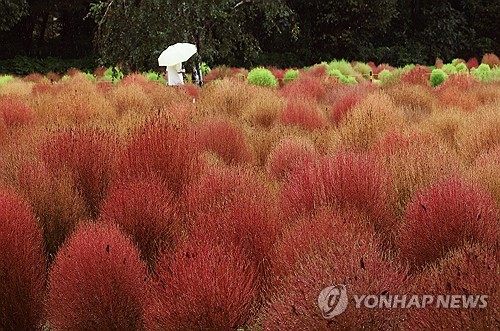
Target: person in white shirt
[(174, 74)]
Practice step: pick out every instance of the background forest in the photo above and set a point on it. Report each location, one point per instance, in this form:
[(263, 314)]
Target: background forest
[(53, 35)]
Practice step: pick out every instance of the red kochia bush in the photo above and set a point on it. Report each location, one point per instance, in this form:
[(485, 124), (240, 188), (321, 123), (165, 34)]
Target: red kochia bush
[(491, 60), (224, 139), (303, 113), (232, 206), (307, 87), (344, 180), (90, 156), (311, 235), (419, 75), (204, 286), (15, 112), (160, 149), (145, 210), (471, 270), (22, 266), (325, 251), (97, 282), (444, 216), (472, 63), (344, 104), (288, 154)]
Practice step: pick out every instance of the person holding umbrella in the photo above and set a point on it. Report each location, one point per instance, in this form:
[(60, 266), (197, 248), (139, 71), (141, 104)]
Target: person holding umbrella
[(172, 58), (175, 74)]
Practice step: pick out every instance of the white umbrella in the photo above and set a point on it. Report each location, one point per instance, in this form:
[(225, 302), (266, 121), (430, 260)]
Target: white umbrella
[(177, 53)]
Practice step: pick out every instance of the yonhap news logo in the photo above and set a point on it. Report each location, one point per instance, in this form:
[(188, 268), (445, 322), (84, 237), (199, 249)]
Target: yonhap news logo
[(333, 301)]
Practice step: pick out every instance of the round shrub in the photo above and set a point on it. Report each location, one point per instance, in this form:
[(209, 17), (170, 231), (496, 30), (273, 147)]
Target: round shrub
[(291, 75), (89, 156), (204, 286), (305, 87), (14, 112), (262, 77), (335, 73), (416, 75), (288, 154), (385, 76), (5, 79), (344, 103), (331, 251), (445, 216), (54, 200), (438, 76), (449, 69), (311, 234), (343, 181), (223, 138), (343, 66), (303, 113), (97, 282), (469, 272), (483, 72), (160, 149), (461, 67), (147, 212), (22, 266), (233, 206)]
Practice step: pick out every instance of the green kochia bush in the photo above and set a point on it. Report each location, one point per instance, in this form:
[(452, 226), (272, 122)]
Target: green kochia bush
[(113, 74), (363, 69), (438, 76), (343, 66), (291, 75), (154, 76), (262, 77), (343, 79), (5, 79), (486, 74), (384, 76), (461, 67), (449, 68)]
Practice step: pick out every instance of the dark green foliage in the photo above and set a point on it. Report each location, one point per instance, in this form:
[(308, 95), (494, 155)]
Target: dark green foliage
[(291, 33), (135, 33), (23, 65), (11, 11)]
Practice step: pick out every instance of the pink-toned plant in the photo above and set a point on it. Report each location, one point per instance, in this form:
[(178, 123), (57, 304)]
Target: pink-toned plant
[(332, 251), (163, 150), (22, 265), (445, 216), (469, 273), (344, 181), (203, 286), (15, 112), (97, 282), (223, 138), (287, 155), (145, 210), (90, 157), (303, 113)]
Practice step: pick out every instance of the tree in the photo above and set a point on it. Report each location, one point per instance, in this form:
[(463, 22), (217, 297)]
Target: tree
[(11, 11), (135, 32)]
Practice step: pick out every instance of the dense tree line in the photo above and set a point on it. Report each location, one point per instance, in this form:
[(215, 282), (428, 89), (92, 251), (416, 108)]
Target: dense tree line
[(250, 32)]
